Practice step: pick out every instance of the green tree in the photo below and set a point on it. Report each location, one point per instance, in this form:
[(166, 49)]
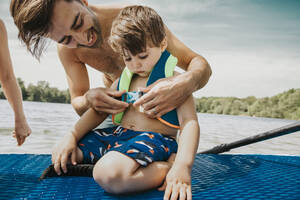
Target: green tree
[(284, 105)]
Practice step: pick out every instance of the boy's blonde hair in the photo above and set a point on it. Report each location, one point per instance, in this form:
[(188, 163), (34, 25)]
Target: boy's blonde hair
[(136, 27)]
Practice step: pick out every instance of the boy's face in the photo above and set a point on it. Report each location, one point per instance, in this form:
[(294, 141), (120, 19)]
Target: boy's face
[(74, 25), (143, 63)]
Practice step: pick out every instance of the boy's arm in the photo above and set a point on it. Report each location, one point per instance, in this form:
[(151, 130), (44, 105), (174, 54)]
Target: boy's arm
[(179, 177), (67, 147), (91, 118)]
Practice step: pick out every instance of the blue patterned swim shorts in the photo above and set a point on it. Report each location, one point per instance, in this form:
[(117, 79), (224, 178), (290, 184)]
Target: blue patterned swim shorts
[(142, 146)]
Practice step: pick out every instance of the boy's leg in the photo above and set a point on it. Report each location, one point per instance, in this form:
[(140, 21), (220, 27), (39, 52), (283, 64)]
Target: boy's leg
[(117, 173), (94, 145), (122, 169)]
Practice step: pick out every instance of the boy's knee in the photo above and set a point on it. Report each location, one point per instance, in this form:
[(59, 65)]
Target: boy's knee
[(108, 176)]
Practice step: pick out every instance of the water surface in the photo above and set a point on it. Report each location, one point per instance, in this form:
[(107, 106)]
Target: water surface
[(50, 121)]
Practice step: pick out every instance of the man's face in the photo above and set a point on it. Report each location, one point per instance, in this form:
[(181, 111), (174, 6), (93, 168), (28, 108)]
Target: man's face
[(74, 25)]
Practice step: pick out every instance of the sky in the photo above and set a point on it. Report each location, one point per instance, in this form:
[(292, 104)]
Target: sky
[(253, 46)]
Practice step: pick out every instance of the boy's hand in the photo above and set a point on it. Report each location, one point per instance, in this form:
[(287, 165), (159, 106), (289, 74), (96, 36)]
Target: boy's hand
[(62, 152), (178, 184), (22, 130)]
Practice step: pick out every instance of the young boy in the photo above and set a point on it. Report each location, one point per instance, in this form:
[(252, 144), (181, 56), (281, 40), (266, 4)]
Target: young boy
[(131, 157)]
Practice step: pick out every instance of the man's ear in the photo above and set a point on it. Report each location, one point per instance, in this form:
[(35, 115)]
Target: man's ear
[(163, 44), (85, 2)]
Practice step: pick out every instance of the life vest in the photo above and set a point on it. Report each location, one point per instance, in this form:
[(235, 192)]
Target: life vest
[(163, 68)]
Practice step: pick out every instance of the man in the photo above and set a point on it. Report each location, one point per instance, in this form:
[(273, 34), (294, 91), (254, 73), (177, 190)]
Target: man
[(82, 32)]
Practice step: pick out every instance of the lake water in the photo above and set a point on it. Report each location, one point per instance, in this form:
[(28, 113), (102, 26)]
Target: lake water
[(50, 121)]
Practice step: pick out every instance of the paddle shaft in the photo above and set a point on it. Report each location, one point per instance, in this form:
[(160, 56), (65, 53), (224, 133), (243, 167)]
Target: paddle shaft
[(291, 128)]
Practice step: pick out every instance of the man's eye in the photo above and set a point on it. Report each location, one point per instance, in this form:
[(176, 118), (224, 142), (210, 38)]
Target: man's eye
[(143, 57), (127, 59), (69, 38), (79, 25)]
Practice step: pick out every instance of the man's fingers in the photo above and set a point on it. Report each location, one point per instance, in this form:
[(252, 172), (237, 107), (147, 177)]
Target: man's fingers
[(145, 90), (145, 98), (152, 113), (151, 103), (112, 102), (116, 93)]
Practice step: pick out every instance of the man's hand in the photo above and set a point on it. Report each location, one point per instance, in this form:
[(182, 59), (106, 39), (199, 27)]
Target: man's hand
[(163, 96), (177, 184), (104, 100), (61, 153), (22, 130)]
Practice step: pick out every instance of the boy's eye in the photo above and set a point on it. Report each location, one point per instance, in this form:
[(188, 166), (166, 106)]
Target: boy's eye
[(143, 57)]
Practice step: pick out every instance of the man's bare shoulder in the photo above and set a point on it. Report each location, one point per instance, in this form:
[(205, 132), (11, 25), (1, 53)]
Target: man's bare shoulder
[(66, 53)]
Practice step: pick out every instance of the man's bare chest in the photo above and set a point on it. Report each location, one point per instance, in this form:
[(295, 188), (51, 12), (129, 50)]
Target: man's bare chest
[(102, 60)]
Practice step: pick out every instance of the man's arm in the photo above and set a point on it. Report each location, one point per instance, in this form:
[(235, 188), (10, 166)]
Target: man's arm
[(82, 97), (166, 94), (11, 88), (77, 77), (197, 69)]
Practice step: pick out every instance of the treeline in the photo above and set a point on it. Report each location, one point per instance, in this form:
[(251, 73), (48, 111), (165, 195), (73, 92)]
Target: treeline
[(41, 92), (285, 105)]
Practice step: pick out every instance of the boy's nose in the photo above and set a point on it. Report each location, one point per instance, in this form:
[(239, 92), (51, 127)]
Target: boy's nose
[(137, 64)]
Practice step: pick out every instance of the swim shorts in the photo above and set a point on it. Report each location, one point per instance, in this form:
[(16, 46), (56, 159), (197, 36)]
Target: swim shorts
[(143, 147)]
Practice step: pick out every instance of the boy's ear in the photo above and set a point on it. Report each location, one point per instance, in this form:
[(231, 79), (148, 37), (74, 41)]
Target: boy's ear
[(164, 44)]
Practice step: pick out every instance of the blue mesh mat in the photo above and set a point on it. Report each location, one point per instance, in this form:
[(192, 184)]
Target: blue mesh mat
[(213, 177)]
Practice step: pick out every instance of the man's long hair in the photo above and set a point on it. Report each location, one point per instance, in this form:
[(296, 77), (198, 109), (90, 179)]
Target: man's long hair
[(33, 19)]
